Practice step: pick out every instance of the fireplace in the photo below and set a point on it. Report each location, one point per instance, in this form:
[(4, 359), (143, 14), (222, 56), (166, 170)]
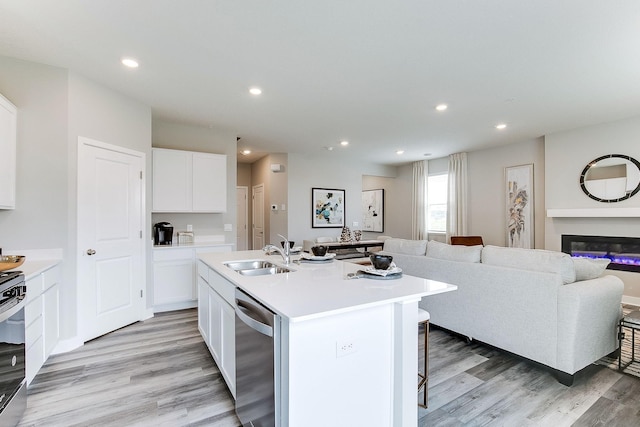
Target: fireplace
[(624, 252)]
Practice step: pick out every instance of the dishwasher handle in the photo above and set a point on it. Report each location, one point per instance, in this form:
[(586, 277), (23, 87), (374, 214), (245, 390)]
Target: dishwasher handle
[(247, 312)]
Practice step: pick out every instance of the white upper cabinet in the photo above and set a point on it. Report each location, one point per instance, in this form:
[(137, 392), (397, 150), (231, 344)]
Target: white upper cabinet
[(8, 126), (187, 181)]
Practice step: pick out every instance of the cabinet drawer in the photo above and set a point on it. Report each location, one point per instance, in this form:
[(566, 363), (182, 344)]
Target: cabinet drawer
[(35, 287), (33, 333), (172, 254), (51, 277), (34, 359), (223, 287), (203, 271), (33, 310)]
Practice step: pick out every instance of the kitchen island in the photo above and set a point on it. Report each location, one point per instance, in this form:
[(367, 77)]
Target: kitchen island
[(348, 348)]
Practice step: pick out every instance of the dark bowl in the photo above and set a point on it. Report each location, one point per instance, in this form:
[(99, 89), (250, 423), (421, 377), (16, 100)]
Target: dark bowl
[(381, 262), (291, 243), (319, 250)]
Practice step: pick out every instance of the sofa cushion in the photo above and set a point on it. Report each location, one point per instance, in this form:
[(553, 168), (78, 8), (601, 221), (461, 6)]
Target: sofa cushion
[(404, 246), (587, 269), (460, 253), (532, 260)]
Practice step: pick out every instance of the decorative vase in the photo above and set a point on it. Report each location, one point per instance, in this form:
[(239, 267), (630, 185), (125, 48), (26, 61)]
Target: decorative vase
[(345, 236), (357, 234)]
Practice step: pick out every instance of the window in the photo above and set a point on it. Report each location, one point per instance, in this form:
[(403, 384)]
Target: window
[(437, 203)]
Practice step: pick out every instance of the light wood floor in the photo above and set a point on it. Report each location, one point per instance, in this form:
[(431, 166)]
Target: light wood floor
[(159, 373)]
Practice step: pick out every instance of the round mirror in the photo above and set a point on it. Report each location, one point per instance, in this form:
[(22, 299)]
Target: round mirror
[(611, 178)]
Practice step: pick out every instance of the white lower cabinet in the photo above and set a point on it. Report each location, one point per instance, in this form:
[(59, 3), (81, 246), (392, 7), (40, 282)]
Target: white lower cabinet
[(175, 277), (42, 319), (216, 321)]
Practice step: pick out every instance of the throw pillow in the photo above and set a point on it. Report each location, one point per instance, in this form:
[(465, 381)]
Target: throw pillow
[(447, 252), (404, 246), (531, 260), (587, 268)]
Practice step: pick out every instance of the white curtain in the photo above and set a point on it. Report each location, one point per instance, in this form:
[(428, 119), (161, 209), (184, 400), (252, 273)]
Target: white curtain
[(457, 196), (419, 201)]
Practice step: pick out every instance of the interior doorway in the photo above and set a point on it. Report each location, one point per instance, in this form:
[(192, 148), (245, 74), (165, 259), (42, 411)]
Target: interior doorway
[(242, 232), (257, 209)]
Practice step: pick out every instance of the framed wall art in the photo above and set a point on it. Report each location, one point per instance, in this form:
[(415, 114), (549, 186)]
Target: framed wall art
[(327, 207), (519, 209), (373, 210)]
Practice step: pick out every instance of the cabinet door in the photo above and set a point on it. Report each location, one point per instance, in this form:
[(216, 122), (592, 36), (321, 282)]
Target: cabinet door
[(8, 116), (209, 182), (51, 319), (203, 309), (228, 366), (171, 180), (215, 326), (173, 281)]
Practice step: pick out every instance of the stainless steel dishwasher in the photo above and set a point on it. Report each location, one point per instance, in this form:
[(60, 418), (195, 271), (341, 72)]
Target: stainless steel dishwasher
[(257, 362)]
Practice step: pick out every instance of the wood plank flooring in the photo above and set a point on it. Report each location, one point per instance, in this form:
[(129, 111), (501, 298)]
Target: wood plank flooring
[(159, 373)]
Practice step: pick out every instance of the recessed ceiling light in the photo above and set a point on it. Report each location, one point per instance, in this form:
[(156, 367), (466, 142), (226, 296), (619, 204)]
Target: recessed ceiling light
[(255, 91), (441, 107), (246, 152), (344, 143), (501, 126), (130, 62), (427, 154), (329, 148), (400, 152)]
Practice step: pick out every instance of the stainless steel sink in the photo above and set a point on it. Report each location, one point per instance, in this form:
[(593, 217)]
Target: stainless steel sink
[(264, 271), (249, 264), (256, 267)]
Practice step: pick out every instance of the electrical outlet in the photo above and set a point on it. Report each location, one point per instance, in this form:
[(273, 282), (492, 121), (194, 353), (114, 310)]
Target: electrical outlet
[(228, 227), (345, 347), (355, 223)]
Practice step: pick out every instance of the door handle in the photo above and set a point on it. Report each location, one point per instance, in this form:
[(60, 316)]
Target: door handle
[(91, 252)]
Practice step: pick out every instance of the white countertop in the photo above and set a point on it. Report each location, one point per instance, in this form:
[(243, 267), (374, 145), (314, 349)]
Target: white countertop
[(34, 267), (175, 245), (318, 290)]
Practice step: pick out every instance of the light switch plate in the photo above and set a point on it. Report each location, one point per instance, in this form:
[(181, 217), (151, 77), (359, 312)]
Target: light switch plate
[(228, 227)]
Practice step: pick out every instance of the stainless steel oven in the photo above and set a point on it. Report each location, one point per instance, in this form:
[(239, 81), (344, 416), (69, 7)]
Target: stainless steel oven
[(13, 388)]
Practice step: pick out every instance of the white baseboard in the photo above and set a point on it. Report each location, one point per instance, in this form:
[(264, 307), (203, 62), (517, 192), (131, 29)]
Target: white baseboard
[(67, 345), (631, 300), (175, 306), (148, 314)]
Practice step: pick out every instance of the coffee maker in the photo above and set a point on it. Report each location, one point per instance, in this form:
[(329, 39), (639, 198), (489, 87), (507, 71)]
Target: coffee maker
[(162, 234)]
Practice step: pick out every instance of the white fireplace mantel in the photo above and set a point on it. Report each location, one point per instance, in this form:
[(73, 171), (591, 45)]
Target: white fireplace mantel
[(594, 213)]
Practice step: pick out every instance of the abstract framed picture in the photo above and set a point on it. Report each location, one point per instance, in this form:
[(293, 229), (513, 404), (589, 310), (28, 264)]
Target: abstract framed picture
[(373, 210), (327, 207), (519, 209)]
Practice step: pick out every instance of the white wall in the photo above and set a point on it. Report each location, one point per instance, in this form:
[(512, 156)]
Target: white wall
[(486, 191), (397, 203), (179, 136), (54, 108), (566, 154), (326, 171), (102, 114)]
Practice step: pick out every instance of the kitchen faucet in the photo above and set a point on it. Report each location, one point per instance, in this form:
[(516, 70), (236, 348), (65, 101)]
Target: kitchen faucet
[(285, 252)]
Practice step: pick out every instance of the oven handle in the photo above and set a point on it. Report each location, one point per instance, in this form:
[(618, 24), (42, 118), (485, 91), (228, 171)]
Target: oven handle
[(13, 310)]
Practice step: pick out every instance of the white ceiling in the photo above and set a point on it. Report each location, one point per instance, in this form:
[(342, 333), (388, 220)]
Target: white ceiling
[(369, 71)]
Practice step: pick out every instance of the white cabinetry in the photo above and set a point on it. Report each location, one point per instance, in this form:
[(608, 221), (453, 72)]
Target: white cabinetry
[(216, 321), (187, 181), (174, 276), (42, 319), (8, 116)]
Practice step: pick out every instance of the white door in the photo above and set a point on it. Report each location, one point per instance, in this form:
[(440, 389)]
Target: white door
[(257, 195), (242, 220), (111, 271)]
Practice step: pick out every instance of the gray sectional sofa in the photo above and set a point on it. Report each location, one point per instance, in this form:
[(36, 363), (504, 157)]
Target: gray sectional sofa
[(543, 305)]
